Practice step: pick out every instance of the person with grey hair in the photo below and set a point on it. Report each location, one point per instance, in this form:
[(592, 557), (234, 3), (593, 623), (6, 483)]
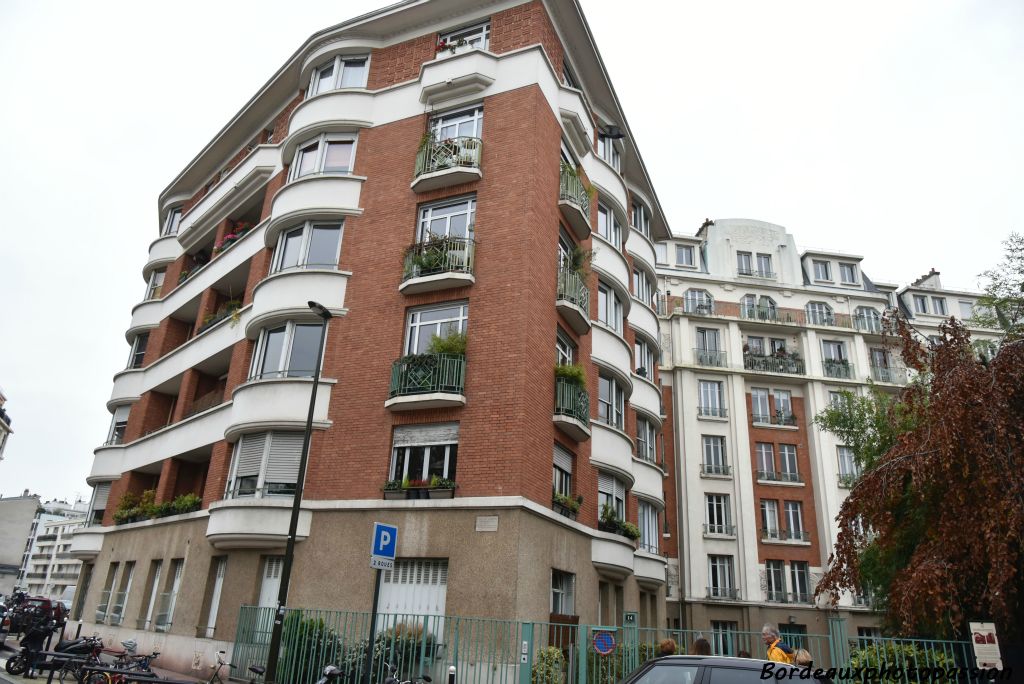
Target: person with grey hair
[(778, 651)]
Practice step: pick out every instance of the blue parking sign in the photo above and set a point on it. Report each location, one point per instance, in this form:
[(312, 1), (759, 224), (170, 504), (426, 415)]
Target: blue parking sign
[(385, 541)]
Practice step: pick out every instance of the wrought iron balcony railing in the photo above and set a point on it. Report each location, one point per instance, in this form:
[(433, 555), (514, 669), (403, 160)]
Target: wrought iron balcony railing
[(774, 364), (573, 288), (439, 155), (428, 373), (572, 400), (713, 411), (439, 255), (710, 357), (727, 593), (838, 368), (779, 476), (720, 469), (894, 374), (720, 530), (572, 189)]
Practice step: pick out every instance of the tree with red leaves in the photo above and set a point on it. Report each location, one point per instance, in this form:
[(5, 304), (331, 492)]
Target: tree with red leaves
[(936, 521)]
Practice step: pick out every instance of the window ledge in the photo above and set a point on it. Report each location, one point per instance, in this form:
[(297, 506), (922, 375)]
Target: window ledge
[(780, 483), (786, 542), (773, 426), (713, 419)]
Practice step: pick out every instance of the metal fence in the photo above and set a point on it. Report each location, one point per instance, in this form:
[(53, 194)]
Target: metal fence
[(490, 651)]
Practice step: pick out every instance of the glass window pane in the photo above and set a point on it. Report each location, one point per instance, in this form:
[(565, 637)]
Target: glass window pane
[(306, 161), (323, 247), (354, 74), (338, 157), (273, 343), (415, 470), (304, 351), (291, 247), (324, 79)]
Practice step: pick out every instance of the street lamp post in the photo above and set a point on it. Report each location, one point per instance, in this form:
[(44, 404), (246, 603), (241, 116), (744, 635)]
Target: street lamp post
[(289, 550)]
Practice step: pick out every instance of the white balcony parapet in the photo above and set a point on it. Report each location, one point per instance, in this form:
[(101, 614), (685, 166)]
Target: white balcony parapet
[(612, 450), (162, 251), (277, 404), (86, 543), (284, 295), (612, 555), (254, 523)]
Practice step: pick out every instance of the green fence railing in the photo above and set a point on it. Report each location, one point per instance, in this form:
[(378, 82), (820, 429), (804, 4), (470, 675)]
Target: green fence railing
[(491, 651), (439, 255), (427, 373), (572, 287), (572, 400), (572, 189)]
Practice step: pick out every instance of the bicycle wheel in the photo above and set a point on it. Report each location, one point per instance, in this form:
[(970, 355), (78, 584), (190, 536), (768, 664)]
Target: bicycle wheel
[(97, 678)]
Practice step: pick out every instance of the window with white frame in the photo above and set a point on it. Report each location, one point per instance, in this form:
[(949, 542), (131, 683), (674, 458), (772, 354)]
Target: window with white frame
[(708, 340), (794, 511), (563, 590), (265, 464), (822, 270), (765, 460), (561, 476), (719, 517), (714, 454), (720, 577), (172, 221), (775, 580), (644, 358), (800, 580), (744, 263), (646, 439), (611, 492), (787, 459), (710, 398), (342, 71), (759, 407), (647, 519), (326, 153), (920, 304), (755, 345), (848, 274), (608, 149), (769, 518), (156, 285), (833, 350), (310, 245), (610, 401), (684, 255), (567, 76), (643, 288), (118, 424), (661, 252), (819, 313), (609, 307), (784, 403), (641, 219), (699, 301), (939, 306), (447, 219), (421, 452), (608, 226), (764, 265), (966, 310), (169, 600), (427, 322), (867, 318), (565, 350), (464, 123), (476, 36), (138, 350), (287, 351), (837, 399), (848, 467)]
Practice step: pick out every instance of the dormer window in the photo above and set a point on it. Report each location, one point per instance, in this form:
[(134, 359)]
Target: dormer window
[(344, 71), (822, 270), (920, 304), (327, 153), (848, 274)]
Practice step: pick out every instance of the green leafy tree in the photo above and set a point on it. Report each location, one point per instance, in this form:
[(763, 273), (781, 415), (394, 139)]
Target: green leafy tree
[(1002, 306)]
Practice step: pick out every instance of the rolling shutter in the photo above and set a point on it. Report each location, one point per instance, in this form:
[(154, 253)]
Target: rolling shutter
[(283, 461), (563, 460), (249, 455), (606, 483), (438, 433), (100, 495)]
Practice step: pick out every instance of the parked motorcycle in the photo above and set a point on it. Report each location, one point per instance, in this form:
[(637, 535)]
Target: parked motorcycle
[(83, 647)]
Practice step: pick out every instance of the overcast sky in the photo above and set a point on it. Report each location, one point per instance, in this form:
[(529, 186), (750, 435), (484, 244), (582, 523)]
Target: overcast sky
[(886, 129)]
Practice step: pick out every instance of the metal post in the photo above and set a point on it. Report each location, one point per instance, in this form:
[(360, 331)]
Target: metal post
[(293, 525), (373, 628)]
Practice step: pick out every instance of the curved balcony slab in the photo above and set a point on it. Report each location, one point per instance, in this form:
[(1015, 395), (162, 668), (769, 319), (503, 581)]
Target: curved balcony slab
[(612, 353), (320, 113), (285, 295), (643, 318), (641, 247), (608, 182), (146, 315), (195, 432), (438, 281), (650, 481), (612, 450), (646, 398), (573, 427), (162, 252), (86, 543), (254, 523), (576, 120), (321, 195), (277, 404), (649, 569), (609, 263), (232, 190), (612, 556), (106, 464), (129, 385), (460, 75), (574, 315), (415, 402)]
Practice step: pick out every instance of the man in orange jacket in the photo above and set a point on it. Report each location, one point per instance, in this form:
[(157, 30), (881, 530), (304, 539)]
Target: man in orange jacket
[(778, 651)]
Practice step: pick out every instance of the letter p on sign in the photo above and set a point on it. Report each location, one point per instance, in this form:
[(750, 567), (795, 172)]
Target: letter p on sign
[(385, 541)]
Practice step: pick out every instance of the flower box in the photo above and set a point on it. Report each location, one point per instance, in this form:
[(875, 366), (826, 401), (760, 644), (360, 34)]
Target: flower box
[(441, 493), (394, 494), (563, 510)]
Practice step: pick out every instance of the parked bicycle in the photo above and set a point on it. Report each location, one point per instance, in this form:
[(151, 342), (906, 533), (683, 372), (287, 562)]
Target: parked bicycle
[(256, 670), (392, 679)]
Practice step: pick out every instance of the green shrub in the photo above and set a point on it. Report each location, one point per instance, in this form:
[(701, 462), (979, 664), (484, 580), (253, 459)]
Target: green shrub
[(568, 501), (630, 530), (549, 667), (307, 643), (896, 654), (454, 343), (573, 373), (186, 503)]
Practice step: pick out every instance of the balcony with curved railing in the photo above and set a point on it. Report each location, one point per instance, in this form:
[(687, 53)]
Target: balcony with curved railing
[(574, 199), (443, 163), (573, 299), (572, 409), (439, 263), (420, 381), (891, 374)]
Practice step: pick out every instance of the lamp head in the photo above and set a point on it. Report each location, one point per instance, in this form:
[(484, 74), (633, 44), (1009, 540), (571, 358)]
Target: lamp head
[(613, 132), (319, 309)]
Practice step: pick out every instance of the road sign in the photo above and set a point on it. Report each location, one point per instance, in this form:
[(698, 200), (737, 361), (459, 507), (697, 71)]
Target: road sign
[(986, 645), (604, 642), (385, 545)]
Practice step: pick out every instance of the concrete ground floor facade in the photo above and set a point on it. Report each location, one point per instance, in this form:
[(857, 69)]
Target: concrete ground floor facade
[(173, 589)]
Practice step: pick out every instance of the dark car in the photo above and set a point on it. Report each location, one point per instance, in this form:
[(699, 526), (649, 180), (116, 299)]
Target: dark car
[(692, 669)]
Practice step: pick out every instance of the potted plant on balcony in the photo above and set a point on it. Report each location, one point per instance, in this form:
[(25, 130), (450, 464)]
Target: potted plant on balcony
[(572, 374), (566, 505), (609, 521), (183, 276), (441, 488), (393, 490), (430, 256), (417, 489), (629, 530), (453, 343)]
